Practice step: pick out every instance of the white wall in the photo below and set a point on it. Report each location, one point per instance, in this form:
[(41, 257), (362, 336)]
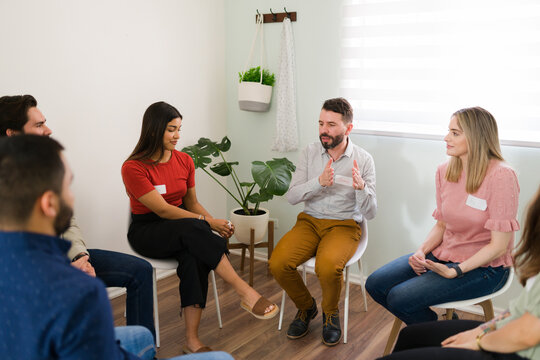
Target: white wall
[(405, 167), (95, 66)]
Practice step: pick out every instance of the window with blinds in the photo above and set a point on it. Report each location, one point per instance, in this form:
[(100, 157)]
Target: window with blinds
[(407, 65)]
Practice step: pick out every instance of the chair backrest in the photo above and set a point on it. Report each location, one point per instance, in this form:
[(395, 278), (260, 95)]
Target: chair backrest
[(362, 245)]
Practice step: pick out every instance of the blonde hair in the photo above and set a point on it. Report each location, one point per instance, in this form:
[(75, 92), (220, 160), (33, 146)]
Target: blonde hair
[(481, 134)]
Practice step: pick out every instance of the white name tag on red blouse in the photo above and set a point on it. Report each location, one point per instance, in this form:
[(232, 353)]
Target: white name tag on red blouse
[(161, 189), (476, 203)]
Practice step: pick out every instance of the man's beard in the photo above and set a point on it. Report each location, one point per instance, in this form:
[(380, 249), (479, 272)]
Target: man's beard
[(63, 220), (335, 141)]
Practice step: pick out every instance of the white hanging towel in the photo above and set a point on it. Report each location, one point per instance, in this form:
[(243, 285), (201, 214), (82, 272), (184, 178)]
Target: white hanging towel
[(286, 138)]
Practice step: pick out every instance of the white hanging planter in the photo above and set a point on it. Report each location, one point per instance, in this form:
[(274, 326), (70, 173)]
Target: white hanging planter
[(244, 223), (254, 96)]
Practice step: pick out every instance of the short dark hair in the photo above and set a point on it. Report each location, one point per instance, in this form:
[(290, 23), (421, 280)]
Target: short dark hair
[(340, 106), (155, 121), (14, 112), (30, 165)]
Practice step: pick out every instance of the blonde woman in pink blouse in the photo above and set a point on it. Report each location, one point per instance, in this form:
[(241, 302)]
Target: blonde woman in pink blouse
[(467, 253)]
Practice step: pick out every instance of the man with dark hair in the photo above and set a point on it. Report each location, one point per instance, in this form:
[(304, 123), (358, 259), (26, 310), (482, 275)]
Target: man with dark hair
[(48, 309), (336, 181), (20, 115)]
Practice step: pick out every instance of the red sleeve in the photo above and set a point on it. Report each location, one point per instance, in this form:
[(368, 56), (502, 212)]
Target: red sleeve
[(136, 181)]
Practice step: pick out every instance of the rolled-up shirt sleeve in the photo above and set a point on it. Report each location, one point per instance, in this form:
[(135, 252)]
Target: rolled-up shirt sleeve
[(302, 188), (367, 198)]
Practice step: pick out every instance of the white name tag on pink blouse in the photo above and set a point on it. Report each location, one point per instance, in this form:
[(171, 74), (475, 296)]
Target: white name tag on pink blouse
[(161, 189), (476, 203)]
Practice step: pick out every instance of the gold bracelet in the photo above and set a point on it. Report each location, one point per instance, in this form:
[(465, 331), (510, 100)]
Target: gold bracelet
[(478, 338)]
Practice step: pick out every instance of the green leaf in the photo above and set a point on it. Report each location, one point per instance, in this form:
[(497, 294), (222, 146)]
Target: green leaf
[(199, 155), (259, 197), (223, 168), (273, 176), (254, 75), (247, 184)]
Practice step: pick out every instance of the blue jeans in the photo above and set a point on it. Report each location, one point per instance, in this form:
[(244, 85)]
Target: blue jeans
[(135, 274), (138, 340), (409, 296)]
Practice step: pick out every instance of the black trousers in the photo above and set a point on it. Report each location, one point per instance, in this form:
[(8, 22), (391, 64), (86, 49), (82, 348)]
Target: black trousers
[(423, 342), (190, 241)]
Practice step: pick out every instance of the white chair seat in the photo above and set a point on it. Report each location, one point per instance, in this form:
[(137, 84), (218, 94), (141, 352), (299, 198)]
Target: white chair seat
[(172, 264), (483, 301), (356, 258)]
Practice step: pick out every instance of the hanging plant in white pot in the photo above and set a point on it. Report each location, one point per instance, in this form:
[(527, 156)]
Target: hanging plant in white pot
[(255, 89)]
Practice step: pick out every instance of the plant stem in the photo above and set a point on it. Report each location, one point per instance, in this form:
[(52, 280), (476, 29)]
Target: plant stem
[(227, 190), (235, 180)]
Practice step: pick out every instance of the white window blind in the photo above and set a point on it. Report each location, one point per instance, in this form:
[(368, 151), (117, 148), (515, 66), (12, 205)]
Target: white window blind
[(407, 65)]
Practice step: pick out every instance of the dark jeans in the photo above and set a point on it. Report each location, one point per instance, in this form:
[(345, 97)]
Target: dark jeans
[(423, 342), (135, 274), (409, 296)]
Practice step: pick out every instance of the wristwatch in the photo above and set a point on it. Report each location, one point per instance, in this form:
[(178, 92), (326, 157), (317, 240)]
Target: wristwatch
[(80, 255), (456, 267)]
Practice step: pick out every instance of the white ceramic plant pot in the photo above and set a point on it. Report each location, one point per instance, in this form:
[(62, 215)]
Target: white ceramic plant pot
[(243, 224), (254, 96)]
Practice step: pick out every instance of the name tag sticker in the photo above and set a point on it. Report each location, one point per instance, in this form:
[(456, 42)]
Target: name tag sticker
[(343, 180), (161, 189), (476, 203)]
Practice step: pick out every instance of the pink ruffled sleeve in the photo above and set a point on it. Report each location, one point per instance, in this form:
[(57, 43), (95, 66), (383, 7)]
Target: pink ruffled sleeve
[(502, 201), (437, 212)]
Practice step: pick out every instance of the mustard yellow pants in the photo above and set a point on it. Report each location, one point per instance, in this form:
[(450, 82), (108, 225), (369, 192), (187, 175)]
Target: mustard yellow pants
[(332, 242)]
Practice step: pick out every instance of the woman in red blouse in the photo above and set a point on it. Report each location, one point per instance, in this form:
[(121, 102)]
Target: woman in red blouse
[(169, 222)]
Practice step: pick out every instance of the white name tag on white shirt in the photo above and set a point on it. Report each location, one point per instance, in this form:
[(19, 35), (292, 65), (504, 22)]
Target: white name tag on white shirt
[(343, 180), (161, 189), (476, 203)]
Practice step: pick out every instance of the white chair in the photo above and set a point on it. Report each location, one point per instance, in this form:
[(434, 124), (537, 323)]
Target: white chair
[(356, 258), (171, 264), (483, 301)]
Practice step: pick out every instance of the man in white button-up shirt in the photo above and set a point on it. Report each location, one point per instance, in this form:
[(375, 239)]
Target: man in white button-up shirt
[(336, 181)]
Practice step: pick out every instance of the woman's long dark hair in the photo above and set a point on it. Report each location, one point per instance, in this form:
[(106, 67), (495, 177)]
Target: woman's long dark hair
[(155, 121), (527, 256)]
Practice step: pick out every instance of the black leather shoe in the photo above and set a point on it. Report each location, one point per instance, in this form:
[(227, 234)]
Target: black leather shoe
[(331, 332), (300, 325)]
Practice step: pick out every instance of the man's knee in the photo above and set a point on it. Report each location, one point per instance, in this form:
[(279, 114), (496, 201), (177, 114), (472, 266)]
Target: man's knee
[(327, 269), (278, 265)]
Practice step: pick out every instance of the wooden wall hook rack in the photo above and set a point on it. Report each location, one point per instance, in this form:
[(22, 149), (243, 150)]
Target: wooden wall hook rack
[(273, 17)]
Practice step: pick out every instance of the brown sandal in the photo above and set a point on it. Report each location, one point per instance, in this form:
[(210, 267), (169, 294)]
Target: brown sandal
[(260, 306), (202, 349)]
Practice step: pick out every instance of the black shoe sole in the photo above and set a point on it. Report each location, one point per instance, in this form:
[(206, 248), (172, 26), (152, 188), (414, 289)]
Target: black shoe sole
[(333, 344), (292, 337)]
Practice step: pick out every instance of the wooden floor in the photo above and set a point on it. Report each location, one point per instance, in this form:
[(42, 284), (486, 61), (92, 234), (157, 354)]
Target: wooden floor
[(246, 337)]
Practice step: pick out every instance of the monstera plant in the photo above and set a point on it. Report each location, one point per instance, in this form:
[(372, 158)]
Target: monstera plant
[(270, 178)]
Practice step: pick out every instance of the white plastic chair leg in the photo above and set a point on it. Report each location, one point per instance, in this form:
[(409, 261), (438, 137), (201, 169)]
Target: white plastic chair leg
[(362, 283), (156, 310), (213, 275), (346, 315), (281, 310)]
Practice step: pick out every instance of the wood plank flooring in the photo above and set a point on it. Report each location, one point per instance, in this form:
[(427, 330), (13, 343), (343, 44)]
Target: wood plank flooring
[(247, 338)]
